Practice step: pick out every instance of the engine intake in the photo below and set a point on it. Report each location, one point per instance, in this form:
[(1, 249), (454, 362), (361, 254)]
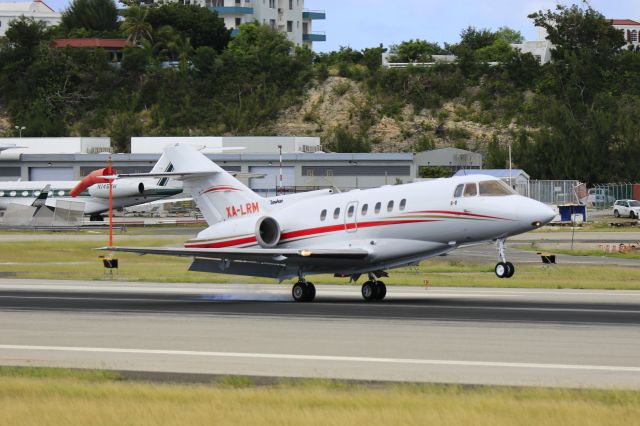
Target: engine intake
[(267, 232)]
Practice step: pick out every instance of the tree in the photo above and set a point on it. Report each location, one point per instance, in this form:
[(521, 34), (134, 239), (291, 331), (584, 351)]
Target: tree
[(200, 25), (414, 51), (579, 99), (136, 26), (97, 16)]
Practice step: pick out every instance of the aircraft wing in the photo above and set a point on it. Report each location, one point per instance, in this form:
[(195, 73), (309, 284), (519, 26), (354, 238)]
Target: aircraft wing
[(280, 256)]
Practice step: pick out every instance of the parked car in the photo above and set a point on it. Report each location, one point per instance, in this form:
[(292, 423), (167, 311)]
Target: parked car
[(629, 208)]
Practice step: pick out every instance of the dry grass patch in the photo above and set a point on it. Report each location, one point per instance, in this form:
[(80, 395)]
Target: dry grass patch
[(71, 401)]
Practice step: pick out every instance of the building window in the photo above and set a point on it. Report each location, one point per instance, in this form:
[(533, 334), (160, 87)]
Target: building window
[(290, 4), (365, 207), (272, 24), (289, 26), (323, 215), (377, 208), (403, 204), (336, 213), (238, 22), (390, 206), (634, 36), (351, 211), (272, 4)]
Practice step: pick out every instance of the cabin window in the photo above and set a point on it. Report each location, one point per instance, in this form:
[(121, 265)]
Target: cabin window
[(390, 206), (494, 188), (12, 193), (1, 193), (36, 193), (365, 207), (25, 193), (377, 208), (323, 214), (350, 211), (336, 213), (61, 193), (470, 190), (403, 204), (458, 191)]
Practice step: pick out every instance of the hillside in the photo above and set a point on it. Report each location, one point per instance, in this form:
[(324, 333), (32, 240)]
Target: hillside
[(340, 101)]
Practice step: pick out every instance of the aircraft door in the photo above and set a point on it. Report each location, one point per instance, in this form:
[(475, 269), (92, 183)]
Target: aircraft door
[(351, 217)]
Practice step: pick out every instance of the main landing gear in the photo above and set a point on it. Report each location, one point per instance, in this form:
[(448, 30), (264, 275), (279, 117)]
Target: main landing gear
[(373, 289), (503, 268), (303, 291)]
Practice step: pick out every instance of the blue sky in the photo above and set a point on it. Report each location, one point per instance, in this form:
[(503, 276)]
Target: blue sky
[(367, 23)]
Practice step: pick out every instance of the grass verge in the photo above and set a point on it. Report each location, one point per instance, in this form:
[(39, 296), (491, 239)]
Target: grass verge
[(66, 399), (77, 259)]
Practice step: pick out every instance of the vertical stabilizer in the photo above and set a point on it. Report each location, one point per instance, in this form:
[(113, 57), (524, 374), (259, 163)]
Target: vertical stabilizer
[(218, 195)]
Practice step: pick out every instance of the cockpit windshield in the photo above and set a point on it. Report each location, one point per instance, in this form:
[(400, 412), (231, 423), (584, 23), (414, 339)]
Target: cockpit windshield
[(494, 188)]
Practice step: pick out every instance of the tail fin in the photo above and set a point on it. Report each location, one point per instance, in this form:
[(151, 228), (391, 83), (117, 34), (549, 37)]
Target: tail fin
[(163, 165), (219, 195)]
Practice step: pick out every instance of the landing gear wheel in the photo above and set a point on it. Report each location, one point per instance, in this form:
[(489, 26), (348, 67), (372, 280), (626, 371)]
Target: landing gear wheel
[(616, 213), (501, 269), (369, 291), (510, 269), (303, 292), (381, 290), (311, 292)]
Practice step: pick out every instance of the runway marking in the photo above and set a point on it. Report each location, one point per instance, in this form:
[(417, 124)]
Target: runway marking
[(297, 357), (357, 359)]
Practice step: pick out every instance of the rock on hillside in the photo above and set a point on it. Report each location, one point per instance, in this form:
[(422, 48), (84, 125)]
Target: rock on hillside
[(339, 101)]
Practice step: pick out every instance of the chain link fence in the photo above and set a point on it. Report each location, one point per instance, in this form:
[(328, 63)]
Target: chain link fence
[(551, 191), (602, 196)]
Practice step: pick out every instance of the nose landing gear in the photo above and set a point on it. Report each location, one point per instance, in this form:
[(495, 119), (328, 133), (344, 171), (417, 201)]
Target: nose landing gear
[(503, 268)]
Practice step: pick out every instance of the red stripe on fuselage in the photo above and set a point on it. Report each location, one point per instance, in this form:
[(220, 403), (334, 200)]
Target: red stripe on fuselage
[(460, 214), (309, 232)]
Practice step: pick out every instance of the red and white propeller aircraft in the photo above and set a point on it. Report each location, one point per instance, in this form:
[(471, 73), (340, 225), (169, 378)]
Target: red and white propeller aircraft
[(347, 234)]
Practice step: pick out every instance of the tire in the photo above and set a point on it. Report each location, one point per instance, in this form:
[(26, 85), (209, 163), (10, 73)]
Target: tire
[(511, 269), (381, 290), (369, 292), (299, 292), (311, 292), (632, 215), (616, 213), (501, 270)]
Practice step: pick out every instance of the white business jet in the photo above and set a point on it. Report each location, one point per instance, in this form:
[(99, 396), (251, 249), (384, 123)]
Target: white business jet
[(347, 234), (93, 194)]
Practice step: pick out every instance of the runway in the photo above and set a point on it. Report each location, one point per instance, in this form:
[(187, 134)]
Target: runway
[(453, 335)]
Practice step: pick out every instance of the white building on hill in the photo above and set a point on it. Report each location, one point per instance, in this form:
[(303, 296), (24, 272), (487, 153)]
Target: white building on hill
[(37, 10)]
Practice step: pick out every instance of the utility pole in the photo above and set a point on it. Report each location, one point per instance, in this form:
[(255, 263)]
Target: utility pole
[(280, 154)]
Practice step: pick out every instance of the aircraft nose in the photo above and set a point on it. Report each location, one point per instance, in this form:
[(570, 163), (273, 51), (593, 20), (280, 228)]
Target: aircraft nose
[(541, 214)]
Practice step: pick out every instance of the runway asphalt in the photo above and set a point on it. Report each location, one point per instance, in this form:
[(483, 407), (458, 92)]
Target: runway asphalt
[(454, 335)]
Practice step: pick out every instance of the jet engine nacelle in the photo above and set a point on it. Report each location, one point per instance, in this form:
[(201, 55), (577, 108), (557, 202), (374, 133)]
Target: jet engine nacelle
[(121, 189), (267, 232)]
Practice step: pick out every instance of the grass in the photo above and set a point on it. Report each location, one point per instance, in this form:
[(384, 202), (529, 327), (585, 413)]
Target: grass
[(582, 252), (66, 399), (60, 259)]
